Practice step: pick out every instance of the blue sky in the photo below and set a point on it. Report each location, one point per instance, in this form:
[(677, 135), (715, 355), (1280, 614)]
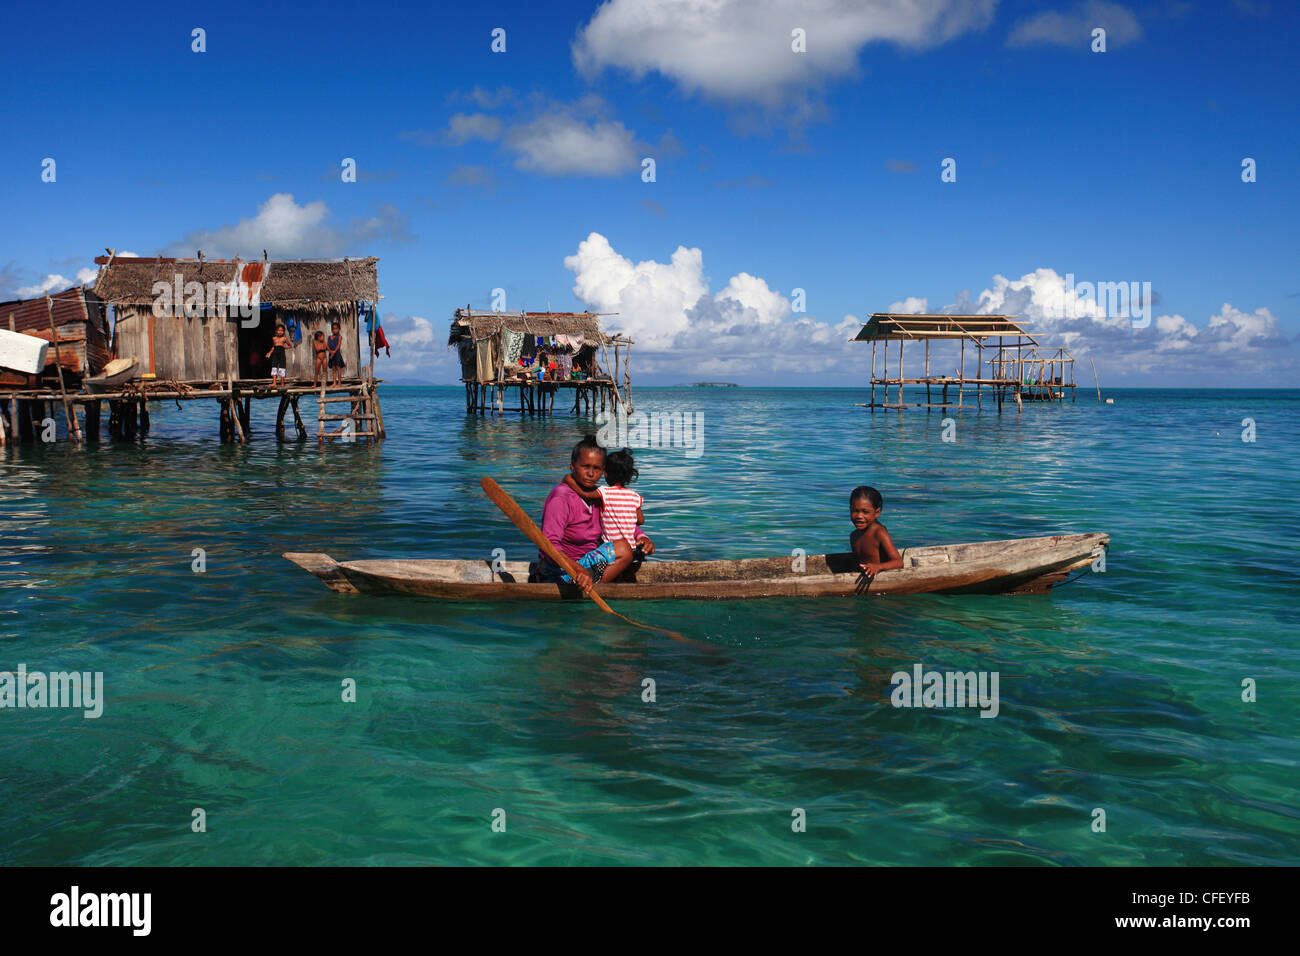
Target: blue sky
[(818, 171)]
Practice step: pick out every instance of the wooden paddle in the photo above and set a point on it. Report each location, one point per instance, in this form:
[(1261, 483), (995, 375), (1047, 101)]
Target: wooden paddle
[(526, 524)]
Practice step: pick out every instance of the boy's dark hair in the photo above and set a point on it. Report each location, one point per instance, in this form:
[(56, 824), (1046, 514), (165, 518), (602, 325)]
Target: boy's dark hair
[(588, 441), (866, 491), (319, 334), (620, 469)]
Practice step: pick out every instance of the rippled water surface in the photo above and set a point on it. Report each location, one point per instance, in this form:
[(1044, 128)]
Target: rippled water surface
[(1121, 691)]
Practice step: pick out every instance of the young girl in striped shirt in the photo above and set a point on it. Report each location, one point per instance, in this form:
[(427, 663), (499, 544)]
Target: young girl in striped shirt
[(620, 509)]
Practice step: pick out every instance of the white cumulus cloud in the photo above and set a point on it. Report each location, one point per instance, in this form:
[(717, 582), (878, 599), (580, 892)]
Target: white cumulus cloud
[(1074, 29), (558, 143), (746, 329), (53, 282), (743, 330), (742, 49), (464, 127), (286, 229)]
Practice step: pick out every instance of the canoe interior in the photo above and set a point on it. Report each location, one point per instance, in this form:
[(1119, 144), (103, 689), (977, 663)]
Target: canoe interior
[(1015, 565)]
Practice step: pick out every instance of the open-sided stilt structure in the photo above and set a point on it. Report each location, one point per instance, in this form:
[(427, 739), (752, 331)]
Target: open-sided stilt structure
[(1017, 368)]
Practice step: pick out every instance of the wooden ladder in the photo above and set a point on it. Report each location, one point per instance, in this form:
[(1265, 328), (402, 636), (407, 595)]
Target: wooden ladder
[(365, 418)]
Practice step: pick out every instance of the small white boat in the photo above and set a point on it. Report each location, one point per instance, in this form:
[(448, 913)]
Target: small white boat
[(117, 372), (22, 353)]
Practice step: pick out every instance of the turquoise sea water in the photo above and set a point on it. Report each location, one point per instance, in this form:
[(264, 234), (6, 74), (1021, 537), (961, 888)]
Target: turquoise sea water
[(1120, 691)]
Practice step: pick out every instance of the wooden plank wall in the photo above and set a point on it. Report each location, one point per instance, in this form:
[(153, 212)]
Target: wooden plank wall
[(185, 349), (202, 349)]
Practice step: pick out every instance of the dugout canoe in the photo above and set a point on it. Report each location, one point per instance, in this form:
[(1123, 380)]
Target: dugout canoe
[(115, 374), (1016, 566)]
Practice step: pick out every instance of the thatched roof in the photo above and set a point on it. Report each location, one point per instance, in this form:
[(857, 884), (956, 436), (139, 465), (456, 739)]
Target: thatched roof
[(313, 285), (471, 323), (291, 282), (888, 326)]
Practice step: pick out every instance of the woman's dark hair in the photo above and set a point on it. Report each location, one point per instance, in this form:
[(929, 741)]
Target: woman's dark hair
[(866, 491), (588, 441), (620, 469)]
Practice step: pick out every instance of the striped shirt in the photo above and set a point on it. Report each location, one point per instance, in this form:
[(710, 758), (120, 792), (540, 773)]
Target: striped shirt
[(618, 513)]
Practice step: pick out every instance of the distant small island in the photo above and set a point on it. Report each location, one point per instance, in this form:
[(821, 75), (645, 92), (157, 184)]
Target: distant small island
[(714, 385)]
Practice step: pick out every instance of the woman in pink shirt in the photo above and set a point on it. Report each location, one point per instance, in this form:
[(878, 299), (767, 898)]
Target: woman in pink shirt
[(574, 525), (620, 509)]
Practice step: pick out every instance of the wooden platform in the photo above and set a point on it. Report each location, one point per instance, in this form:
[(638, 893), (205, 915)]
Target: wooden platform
[(25, 408), (538, 397)]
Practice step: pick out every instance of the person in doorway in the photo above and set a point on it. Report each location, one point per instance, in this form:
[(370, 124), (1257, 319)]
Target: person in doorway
[(334, 346)]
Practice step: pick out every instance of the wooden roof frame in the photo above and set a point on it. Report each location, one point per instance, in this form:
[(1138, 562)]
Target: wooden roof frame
[(891, 326)]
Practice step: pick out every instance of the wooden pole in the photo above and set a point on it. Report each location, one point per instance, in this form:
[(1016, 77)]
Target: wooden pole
[(884, 375), (234, 409), (1096, 379), (928, 400), (873, 376), (961, 375), (297, 418), (74, 432), (15, 432), (379, 412), (979, 374), (901, 343)]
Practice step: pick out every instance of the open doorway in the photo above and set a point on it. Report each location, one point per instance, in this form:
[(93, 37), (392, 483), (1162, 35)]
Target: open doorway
[(254, 343)]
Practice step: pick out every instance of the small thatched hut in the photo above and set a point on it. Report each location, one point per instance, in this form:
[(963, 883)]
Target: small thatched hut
[(201, 320), (503, 349)]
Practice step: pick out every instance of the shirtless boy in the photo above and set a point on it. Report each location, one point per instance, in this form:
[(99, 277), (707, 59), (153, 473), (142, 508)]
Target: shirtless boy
[(870, 540)]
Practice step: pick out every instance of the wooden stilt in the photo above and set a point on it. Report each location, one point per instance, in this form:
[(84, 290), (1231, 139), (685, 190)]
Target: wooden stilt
[(873, 376), (901, 342), (144, 417), (26, 432), (74, 432), (927, 376), (92, 420), (279, 415), (233, 400), (129, 424), (223, 421), (297, 418), (961, 376), (379, 415), (15, 433)]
